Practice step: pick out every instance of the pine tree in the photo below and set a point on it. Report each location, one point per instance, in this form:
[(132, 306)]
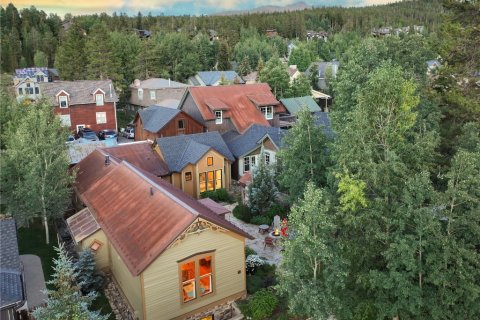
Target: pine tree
[(71, 60), (40, 59), (262, 191), (244, 67), (223, 59), (88, 277), (66, 301), (275, 74), (98, 48)]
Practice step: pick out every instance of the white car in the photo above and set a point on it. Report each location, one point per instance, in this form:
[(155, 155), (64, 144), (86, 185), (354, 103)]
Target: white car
[(129, 133)]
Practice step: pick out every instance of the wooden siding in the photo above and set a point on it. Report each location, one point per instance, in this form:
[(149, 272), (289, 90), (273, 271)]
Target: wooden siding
[(171, 129), (161, 278), (86, 114), (226, 125), (218, 164), (101, 255), (130, 285)]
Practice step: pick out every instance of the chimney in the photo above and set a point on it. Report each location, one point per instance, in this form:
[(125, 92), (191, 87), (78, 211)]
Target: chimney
[(107, 160), (111, 94)]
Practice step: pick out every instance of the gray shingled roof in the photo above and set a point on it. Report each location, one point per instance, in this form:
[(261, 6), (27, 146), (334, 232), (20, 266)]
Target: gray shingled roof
[(211, 77), (154, 118), (240, 144), (11, 288), (179, 151), (158, 83), (323, 119), (81, 91)]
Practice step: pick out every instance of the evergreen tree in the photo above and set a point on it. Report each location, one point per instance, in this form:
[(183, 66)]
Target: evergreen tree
[(262, 191), (66, 301), (312, 269), (300, 87), (244, 67), (275, 74), (147, 65), (71, 60), (303, 156), (223, 59), (302, 57), (98, 49), (314, 77), (35, 176), (88, 277), (260, 65), (40, 59)]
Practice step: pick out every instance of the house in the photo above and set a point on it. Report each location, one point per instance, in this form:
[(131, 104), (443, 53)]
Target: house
[(143, 34), (248, 146), (197, 162), (251, 78), (83, 104), (381, 32), (12, 287), (316, 35), (325, 70), (234, 107), (155, 91), (293, 72), (27, 81), (156, 122), (215, 78), (322, 99), (170, 255), (293, 106), (270, 33)]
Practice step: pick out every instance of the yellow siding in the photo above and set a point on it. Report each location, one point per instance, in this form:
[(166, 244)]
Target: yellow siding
[(129, 284), (102, 254), (189, 186), (177, 180), (218, 164), (161, 278)]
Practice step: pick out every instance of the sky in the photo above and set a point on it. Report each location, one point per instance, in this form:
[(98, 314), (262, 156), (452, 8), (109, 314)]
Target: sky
[(168, 7)]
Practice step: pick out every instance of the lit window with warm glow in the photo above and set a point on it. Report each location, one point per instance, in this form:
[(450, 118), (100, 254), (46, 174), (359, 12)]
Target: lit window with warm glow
[(196, 277), (188, 281)]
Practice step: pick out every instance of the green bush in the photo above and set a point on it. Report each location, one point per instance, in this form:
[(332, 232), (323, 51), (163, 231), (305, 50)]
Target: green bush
[(276, 209), (243, 213), (264, 277), (249, 251), (262, 304), (220, 195), (261, 220)]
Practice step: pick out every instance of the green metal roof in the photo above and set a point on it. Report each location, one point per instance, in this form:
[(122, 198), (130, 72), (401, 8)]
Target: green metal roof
[(294, 105)]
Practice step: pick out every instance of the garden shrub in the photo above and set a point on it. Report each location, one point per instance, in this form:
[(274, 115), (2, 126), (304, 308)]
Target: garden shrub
[(88, 277), (261, 220), (262, 304), (243, 213), (252, 262), (219, 195), (264, 277), (276, 209), (249, 251)]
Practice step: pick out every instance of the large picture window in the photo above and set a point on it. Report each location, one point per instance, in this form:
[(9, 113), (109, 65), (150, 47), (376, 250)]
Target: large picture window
[(211, 180), (196, 277)]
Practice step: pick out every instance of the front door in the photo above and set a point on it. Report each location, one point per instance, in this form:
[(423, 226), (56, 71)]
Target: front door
[(80, 127)]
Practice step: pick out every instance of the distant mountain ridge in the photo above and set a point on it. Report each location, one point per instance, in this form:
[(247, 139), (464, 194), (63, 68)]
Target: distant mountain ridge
[(297, 6)]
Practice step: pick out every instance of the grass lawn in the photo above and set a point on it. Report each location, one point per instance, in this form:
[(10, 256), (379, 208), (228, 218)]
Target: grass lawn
[(32, 241)]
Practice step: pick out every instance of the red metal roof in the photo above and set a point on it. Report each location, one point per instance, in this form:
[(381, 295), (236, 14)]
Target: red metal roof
[(141, 155), (141, 214), (261, 100), (241, 109)]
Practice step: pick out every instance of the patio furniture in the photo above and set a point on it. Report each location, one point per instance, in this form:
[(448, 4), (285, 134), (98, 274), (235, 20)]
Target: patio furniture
[(263, 228), (268, 242)]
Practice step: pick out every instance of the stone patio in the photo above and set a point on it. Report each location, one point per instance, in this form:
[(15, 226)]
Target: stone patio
[(271, 255)]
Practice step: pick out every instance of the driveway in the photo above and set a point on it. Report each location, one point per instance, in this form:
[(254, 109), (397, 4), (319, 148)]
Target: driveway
[(34, 280)]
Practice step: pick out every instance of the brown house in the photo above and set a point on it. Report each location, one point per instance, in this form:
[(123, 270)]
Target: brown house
[(156, 122), (234, 107), (83, 104), (171, 256), (197, 162)]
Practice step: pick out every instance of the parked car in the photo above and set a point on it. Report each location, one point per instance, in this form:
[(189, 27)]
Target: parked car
[(108, 134), (88, 134), (129, 133)]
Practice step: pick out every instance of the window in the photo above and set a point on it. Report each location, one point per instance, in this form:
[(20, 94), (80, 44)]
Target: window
[(153, 95), (209, 161), (248, 163), (218, 117), (209, 181), (28, 89), (40, 78), (267, 112), (65, 120), (20, 90), (95, 245), (80, 127), (140, 94), (196, 277), (101, 117), (63, 101), (181, 124), (267, 158), (99, 99), (37, 90), (188, 176)]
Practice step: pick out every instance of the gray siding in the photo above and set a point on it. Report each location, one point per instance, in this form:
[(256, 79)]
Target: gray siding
[(189, 107), (160, 94)]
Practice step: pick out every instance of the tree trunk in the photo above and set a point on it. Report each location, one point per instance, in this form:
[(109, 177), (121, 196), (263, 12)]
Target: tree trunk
[(47, 234)]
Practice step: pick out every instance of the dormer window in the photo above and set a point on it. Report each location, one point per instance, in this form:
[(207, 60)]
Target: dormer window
[(140, 94), (63, 101), (267, 112), (40, 78), (99, 99), (218, 117)]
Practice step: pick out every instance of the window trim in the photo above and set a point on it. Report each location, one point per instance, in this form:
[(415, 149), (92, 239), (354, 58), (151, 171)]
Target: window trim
[(209, 161), (100, 245), (205, 181), (196, 258), (188, 176), (60, 101), (268, 156), (64, 116), (153, 95), (266, 113), (100, 113), (251, 163), (218, 120), (140, 94), (102, 99), (182, 121)]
